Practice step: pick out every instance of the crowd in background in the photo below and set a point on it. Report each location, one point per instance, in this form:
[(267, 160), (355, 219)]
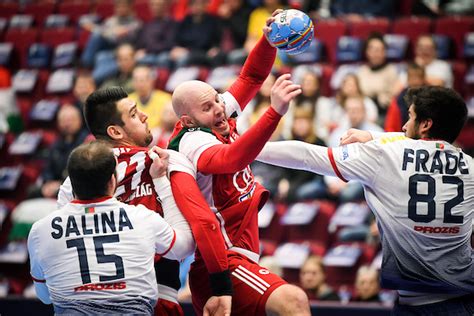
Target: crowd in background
[(123, 50)]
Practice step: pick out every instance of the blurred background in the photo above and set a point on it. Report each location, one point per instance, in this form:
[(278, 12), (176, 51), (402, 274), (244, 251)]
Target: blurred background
[(317, 232)]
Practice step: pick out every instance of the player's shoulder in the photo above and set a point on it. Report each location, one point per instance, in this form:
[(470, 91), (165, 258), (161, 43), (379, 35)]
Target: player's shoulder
[(392, 139), (193, 135), (139, 210), (45, 222)]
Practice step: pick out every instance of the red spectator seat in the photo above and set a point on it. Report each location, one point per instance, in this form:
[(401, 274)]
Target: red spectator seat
[(8, 9), (24, 104), (49, 137), (274, 232), (56, 36), (412, 27), (83, 38), (142, 10), (105, 8), (456, 27), (37, 94), (74, 9), (40, 10), (405, 7), (459, 73), (317, 230), (465, 139), (325, 80), (338, 275), (22, 40), (364, 28), (328, 32), (162, 75), (267, 247)]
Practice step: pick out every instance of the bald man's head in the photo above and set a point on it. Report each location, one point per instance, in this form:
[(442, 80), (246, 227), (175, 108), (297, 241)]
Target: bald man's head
[(188, 94), (197, 104)]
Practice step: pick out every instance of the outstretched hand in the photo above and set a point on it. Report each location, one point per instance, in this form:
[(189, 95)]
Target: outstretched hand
[(283, 91), (267, 29), (218, 306), (160, 162), (354, 135)]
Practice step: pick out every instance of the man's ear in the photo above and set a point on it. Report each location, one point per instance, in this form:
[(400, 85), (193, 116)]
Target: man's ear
[(115, 132), (425, 127), (187, 121)]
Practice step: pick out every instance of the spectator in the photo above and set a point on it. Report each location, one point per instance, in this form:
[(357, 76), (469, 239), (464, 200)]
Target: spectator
[(356, 118), (367, 285), (299, 185), (162, 134), (84, 85), (71, 135), (355, 11), (258, 18), (149, 100), (377, 78), (126, 62), (438, 72), (441, 7), (157, 37), (313, 281), (350, 88), (235, 18), (119, 28), (397, 113), (198, 38), (317, 9), (311, 100)]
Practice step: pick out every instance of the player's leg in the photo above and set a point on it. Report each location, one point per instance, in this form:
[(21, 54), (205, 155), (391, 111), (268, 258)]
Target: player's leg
[(257, 290), (168, 308), (288, 300)]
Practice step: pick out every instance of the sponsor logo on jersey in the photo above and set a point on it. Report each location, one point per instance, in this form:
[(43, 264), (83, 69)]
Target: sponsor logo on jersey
[(101, 287), (243, 180), (348, 153), (437, 230), (391, 139)]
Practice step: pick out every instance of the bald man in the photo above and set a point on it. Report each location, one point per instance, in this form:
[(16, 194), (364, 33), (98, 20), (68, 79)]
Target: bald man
[(206, 134)]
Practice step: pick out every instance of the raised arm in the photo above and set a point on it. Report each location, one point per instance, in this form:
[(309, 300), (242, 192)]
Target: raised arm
[(349, 162), (230, 158), (256, 69)]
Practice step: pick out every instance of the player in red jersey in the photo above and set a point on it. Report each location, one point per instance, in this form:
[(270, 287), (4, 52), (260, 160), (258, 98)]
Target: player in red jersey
[(113, 117), (206, 134)]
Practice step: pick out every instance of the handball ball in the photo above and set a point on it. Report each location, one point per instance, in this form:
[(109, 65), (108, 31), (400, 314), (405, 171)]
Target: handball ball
[(291, 32)]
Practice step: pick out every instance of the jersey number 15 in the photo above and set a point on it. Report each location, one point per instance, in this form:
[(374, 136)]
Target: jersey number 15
[(99, 242)]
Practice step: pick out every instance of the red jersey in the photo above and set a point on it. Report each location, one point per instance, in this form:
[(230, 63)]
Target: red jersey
[(135, 185), (235, 198)]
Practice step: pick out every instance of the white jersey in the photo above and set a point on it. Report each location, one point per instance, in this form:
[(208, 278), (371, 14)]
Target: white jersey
[(99, 257), (422, 193)]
